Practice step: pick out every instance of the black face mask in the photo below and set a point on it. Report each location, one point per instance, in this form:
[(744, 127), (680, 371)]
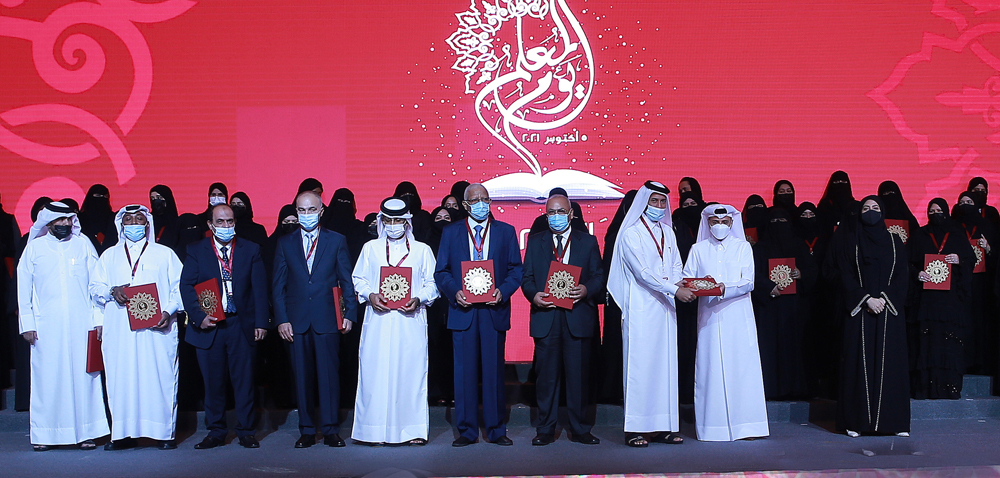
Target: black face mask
[(966, 210), (979, 197), (288, 228), (870, 217), (61, 231), (239, 211), (936, 219), (784, 199), (440, 224), (159, 206)]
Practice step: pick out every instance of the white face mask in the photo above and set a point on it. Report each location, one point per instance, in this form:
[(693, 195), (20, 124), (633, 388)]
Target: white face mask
[(395, 231), (720, 231), (216, 200)]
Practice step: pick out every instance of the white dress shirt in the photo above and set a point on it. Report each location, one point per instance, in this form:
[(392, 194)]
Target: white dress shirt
[(486, 238)]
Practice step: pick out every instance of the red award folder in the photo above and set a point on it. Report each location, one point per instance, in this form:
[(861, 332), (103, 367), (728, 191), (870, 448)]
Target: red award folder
[(210, 299), (95, 358), (703, 286), (980, 257), (143, 306), (562, 278), (939, 270), (395, 285), (899, 227), (780, 272), (338, 303), (751, 233), (478, 281)]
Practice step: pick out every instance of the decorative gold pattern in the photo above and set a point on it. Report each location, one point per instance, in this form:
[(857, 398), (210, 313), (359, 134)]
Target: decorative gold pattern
[(702, 284), (478, 281), (394, 287), (899, 231), (208, 301), (142, 306), (560, 284), (979, 255), (938, 271), (781, 275)]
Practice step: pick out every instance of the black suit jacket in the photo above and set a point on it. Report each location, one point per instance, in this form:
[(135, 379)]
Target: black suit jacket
[(249, 288), (306, 300), (584, 253)]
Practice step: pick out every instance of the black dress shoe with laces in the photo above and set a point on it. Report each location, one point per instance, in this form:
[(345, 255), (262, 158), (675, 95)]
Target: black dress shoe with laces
[(586, 438), (543, 439), (334, 441), (305, 441), (123, 444), (249, 441), (209, 442), (463, 441), (503, 441)]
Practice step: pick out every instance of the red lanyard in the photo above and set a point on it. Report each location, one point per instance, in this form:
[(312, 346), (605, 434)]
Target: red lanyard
[(404, 257), (160, 234), (943, 241), (662, 244), (135, 266), (971, 234), (811, 244), (559, 257), (312, 248), (227, 265), (482, 243)]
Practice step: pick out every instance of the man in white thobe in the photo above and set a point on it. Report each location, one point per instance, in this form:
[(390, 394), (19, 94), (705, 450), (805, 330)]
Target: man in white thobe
[(140, 365), (728, 385), (391, 404), (55, 316), (645, 270)]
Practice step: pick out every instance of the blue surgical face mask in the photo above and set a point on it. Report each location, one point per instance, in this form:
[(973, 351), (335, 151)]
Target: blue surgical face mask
[(225, 234), (135, 232), (479, 211), (309, 221), (558, 222), (655, 214)]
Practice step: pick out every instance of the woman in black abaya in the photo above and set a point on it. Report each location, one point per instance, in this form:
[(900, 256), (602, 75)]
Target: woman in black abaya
[(981, 334)]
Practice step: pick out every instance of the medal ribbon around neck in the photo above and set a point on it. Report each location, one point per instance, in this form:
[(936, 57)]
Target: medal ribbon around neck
[(662, 244)]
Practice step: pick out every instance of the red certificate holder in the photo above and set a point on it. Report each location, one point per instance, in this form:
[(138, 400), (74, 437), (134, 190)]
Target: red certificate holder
[(703, 286), (899, 227), (980, 257), (95, 358), (210, 299), (479, 282), (338, 303), (939, 270), (143, 306), (395, 285), (751, 233), (780, 272), (562, 278)]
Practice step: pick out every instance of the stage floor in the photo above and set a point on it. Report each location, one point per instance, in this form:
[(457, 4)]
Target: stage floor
[(934, 444)]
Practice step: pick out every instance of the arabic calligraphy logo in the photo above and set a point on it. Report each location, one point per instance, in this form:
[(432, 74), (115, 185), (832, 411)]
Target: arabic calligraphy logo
[(142, 306), (478, 281), (560, 284), (528, 85), (394, 287), (899, 231), (938, 271), (781, 275), (208, 302)]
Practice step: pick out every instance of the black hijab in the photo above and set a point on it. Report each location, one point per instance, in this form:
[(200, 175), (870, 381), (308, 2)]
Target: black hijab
[(785, 201), (943, 226), (71, 203), (342, 207), (247, 213), (458, 190), (407, 191), (96, 213), (754, 212), (279, 229), (895, 205), (779, 230), (691, 215), (969, 214), (979, 198), (695, 187), (371, 228), (434, 239), (168, 211), (808, 228), (838, 191), (875, 249)]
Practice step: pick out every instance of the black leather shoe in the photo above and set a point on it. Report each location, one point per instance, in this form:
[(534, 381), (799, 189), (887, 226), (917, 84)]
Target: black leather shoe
[(209, 442), (123, 444), (543, 439), (463, 441), (166, 445), (586, 438), (334, 441), (249, 441), (305, 441), (503, 441)]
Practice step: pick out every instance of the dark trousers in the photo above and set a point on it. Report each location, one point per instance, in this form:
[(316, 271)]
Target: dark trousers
[(480, 348), (560, 356), (230, 352), (316, 360)]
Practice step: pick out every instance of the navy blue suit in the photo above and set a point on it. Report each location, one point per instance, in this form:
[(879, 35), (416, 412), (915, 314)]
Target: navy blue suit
[(229, 346), (305, 300), (480, 331)]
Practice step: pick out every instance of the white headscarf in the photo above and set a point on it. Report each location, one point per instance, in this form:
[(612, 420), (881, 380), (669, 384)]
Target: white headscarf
[(705, 232), (617, 276), (52, 211), (395, 208), (132, 208)]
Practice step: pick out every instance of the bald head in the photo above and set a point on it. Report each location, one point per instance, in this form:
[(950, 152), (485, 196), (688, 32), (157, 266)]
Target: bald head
[(559, 212), (308, 199), (476, 191)]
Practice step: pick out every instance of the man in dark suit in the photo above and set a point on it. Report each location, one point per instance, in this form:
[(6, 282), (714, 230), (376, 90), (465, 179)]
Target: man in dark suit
[(308, 264), (479, 330), (226, 344), (562, 337)]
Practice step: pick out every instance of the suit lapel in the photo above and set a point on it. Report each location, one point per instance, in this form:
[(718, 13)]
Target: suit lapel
[(491, 254), (323, 239)]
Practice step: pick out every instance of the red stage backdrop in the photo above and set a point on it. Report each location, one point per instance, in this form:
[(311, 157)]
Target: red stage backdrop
[(596, 96)]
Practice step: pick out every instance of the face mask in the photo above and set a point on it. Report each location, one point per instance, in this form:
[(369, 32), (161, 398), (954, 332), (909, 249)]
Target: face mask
[(440, 224), (870, 217), (979, 197), (655, 213), (936, 219), (62, 231), (966, 210), (135, 232), (558, 222), (216, 200), (395, 231), (479, 211), (720, 231), (784, 199), (308, 221), (289, 228), (239, 211), (159, 206), (225, 234)]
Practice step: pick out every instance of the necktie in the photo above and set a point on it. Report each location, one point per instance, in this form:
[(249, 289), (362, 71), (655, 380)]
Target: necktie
[(309, 244), (227, 279), (559, 246), (479, 243)]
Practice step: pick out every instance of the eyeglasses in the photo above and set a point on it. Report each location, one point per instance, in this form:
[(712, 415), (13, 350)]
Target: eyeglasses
[(556, 212), (477, 200)]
